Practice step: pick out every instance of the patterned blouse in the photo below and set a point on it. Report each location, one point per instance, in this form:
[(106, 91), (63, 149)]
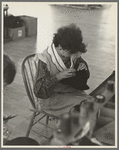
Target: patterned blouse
[(45, 83)]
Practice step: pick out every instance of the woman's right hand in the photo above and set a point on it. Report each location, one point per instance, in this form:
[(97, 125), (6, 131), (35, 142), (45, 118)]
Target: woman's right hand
[(67, 73)]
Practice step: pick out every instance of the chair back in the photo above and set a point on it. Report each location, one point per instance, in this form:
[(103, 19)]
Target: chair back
[(29, 68)]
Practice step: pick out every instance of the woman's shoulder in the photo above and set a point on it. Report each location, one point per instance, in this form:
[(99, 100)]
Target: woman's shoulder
[(41, 57), (80, 59)]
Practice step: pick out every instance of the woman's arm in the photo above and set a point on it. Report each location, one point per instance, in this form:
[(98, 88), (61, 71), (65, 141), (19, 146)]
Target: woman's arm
[(44, 84), (79, 81)]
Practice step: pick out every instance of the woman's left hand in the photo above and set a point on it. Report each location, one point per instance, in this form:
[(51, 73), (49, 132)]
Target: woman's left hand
[(82, 66)]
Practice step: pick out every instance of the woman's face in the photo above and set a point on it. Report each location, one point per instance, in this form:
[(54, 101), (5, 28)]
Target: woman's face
[(65, 53)]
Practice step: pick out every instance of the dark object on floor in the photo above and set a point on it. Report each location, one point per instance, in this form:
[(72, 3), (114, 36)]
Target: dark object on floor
[(22, 141), (13, 22)]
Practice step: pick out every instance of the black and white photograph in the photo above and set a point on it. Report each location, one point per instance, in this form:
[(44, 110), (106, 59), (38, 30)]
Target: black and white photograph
[(59, 74)]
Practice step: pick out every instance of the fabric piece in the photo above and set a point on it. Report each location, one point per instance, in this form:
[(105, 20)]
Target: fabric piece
[(56, 58), (60, 103)]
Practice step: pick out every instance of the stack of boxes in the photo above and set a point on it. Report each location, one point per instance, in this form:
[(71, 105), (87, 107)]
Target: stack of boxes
[(30, 25), (16, 33), (28, 29)]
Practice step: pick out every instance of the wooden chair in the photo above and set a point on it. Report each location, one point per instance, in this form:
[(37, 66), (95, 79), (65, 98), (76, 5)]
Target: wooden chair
[(29, 67)]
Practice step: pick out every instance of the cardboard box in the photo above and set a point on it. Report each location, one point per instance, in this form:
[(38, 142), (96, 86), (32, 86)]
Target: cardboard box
[(17, 33), (30, 24)]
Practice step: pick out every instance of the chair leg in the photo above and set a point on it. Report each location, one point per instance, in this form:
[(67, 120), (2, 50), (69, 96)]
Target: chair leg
[(31, 124), (47, 118)]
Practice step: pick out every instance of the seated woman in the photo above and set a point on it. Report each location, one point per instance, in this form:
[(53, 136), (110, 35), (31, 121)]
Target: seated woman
[(62, 74)]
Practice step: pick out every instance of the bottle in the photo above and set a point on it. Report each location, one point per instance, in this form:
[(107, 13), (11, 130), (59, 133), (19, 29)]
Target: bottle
[(83, 110), (66, 124), (110, 85), (99, 98)]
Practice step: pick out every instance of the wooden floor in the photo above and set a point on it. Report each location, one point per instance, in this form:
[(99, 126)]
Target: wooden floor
[(100, 58)]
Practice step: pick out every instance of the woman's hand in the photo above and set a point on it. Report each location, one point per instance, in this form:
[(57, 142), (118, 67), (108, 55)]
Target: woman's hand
[(82, 66), (66, 74)]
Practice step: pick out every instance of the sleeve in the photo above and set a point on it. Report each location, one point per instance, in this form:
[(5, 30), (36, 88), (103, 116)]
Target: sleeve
[(44, 84), (80, 80)]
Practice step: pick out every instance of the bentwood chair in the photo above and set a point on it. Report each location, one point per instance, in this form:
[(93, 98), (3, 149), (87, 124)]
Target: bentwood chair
[(29, 68)]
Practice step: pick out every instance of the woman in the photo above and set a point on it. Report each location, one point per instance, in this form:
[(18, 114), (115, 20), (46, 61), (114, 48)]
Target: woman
[(62, 74)]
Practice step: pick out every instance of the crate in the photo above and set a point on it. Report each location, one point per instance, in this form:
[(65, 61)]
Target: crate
[(17, 33), (30, 24)]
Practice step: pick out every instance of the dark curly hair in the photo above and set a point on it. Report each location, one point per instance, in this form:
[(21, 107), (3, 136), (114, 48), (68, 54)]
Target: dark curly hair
[(9, 70), (70, 38)]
